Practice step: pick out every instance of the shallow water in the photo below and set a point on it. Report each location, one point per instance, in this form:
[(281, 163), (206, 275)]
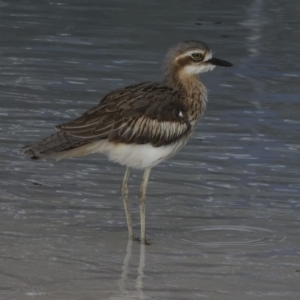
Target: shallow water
[(222, 215)]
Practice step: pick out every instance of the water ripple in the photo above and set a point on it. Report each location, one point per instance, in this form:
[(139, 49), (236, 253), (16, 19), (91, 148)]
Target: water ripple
[(230, 235)]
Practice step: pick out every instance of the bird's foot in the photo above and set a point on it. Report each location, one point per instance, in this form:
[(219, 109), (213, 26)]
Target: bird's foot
[(139, 240)]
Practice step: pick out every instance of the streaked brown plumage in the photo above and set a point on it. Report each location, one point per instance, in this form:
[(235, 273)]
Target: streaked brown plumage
[(140, 125), (135, 114)]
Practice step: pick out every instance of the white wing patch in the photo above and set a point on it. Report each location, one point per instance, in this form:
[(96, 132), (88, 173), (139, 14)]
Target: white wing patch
[(181, 114)]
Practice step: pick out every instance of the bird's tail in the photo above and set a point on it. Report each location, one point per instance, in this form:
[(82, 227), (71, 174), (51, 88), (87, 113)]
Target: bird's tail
[(56, 145)]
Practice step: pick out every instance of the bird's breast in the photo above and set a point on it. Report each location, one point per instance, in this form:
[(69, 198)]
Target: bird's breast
[(195, 107)]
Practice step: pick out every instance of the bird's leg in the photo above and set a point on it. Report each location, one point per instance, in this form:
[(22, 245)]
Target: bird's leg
[(142, 197), (124, 191)]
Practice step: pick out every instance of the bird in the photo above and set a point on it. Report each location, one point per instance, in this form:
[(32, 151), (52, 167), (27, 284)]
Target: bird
[(140, 125)]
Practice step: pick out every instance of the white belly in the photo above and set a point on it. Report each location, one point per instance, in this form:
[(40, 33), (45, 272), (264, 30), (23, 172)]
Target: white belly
[(137, 156), (130, 155)]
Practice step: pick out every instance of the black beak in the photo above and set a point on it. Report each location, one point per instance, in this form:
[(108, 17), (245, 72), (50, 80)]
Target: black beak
[(219, 62)]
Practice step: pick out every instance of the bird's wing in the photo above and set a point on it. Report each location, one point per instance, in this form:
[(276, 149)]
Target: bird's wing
[(143, 113)]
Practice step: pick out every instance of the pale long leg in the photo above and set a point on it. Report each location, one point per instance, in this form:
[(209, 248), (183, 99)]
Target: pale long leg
[(124, 191), (143, 204)]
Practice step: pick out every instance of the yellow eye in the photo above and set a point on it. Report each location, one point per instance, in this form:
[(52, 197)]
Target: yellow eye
[(197, 56)]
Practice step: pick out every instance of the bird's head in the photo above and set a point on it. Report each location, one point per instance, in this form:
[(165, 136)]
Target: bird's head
[(190, 58)]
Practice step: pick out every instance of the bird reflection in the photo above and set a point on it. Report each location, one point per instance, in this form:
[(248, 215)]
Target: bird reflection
[(124, 283), (139, 280)]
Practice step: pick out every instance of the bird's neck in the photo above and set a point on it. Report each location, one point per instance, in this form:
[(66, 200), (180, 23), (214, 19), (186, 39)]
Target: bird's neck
[(188, 83)]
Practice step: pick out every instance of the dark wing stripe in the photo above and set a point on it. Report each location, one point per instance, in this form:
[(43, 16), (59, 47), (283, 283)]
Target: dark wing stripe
[(78, 126)]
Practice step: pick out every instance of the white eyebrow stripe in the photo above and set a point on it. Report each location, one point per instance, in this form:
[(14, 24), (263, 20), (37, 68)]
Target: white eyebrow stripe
[(208, 55), (189, 53)]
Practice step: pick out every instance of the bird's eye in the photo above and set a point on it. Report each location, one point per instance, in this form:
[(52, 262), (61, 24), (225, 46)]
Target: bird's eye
[(197, 56)]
